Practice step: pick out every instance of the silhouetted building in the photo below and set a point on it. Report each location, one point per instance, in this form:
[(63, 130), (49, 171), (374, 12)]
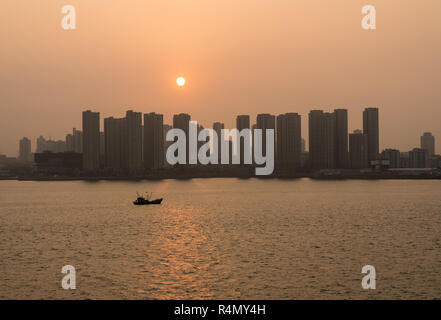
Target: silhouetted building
[(153, 141), (134, 141), (50, 145), (115, 136), (243, 122), (58, 163), (428, 143), (371, 128), (69, 143), (74, 142), (264, 122), (303, 145), (182, 121), (24, 152), (358, 150), (91, 140), (404, 159), (321, 140), (218, 127), (434, 161), (418, 158), (102, 145), (40, 144), (77, 140), (167, 144), (341, 138), (200, 143), (393, 156), (289, 141)]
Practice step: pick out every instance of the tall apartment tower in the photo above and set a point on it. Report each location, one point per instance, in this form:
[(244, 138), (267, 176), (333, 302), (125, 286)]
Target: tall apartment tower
[(243, 122), (91, 140), (134, 140), (165, 130), (182, 121), (78, 140), (341, 138), (321, 139), (153, 141), (358, 150), (428, 143), (115, 136), (218, 127), (24, 150), (371, 128), (69, 142), (289, 141), (264, 122)]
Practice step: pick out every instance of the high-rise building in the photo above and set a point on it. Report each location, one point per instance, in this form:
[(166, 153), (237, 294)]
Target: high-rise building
[(264, 122), (115, 136), (371, 128), (393, 156), (167, 144), (24, 150), (289, 141), (428, 143), (78, 140), (358, 150), (70, 143), (217, 128), (303, 145), (321, 139), (91, 140), (102, 145), (418, 158), (341, 138), (182, 121), (153, 141), (134, 140), (200, 143), (41, 142), (243, 122)]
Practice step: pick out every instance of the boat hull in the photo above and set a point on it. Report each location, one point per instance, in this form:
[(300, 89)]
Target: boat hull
[(147, 202)]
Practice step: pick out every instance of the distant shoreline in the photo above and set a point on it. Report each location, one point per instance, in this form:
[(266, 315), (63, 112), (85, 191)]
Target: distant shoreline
[(313, 176)]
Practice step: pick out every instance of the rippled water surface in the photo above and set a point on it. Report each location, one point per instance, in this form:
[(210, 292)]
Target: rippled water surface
[(221, 239)]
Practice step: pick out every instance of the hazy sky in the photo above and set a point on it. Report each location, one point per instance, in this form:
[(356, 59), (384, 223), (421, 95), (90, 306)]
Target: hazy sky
[(238, 56)]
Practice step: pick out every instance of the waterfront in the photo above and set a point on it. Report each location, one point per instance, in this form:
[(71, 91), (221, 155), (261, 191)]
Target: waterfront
[(221, 238)]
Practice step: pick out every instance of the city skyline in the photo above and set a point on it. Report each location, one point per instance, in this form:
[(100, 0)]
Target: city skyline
[(130, 145), (304, 133)]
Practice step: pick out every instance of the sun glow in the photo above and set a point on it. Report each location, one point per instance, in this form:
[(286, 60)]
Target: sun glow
[(180, 81)]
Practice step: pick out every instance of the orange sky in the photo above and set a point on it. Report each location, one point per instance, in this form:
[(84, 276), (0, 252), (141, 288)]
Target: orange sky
[(238, 56)]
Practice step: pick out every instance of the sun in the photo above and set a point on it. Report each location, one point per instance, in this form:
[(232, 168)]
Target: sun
[(180, 81)]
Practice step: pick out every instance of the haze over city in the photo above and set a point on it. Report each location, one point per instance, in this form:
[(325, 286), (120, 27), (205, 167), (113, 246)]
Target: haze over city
[(238, 57)]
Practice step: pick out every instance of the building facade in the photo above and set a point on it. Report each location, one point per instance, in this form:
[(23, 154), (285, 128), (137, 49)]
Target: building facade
[(91, 140), (24, 150), (243, 122), (371, 129), (289, 141), (358, 150), (418, 158), (341, 138), (428, 143), (153, 141), (321, 140)]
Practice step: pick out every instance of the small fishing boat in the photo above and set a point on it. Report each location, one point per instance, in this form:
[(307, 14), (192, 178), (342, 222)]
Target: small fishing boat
[(140, 200)]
